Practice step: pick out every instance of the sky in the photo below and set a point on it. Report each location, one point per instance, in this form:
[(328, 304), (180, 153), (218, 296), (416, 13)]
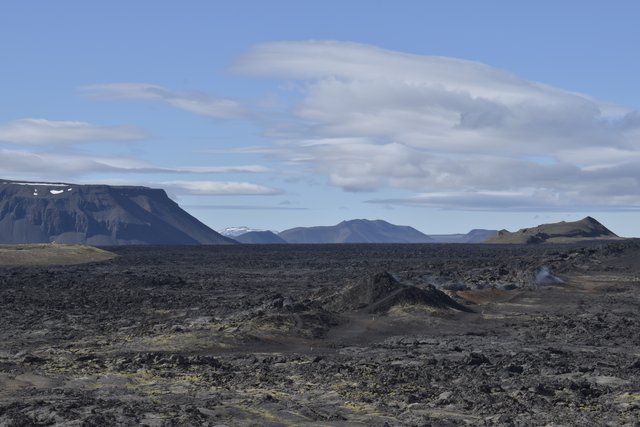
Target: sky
[(442, 115)]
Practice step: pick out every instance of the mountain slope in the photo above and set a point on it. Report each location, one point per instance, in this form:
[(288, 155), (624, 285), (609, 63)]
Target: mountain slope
[(561, 232), (96, 215), (356, 231), (260, 237)]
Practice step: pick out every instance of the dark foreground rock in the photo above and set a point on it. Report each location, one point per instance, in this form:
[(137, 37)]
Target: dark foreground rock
[(240, 336)]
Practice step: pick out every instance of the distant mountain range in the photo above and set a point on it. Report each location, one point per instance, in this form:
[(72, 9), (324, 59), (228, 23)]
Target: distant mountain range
[(43, 212), (561, 232), (353, 231), (378, 231), (102, 215)]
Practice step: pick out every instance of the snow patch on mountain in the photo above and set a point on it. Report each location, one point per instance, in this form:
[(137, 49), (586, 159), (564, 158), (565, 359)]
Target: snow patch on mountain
[(237, 231)]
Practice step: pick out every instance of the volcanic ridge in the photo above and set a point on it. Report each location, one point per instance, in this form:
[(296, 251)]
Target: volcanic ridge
[(561, 232)]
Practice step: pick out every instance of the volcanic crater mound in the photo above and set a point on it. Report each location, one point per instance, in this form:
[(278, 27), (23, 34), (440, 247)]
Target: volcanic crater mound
[(382, 291)]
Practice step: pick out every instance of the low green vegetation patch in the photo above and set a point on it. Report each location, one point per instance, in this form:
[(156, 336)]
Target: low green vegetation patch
[(51, 254)]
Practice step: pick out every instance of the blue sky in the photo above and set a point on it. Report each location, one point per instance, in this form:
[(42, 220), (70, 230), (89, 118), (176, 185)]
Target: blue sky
[(441, 115)]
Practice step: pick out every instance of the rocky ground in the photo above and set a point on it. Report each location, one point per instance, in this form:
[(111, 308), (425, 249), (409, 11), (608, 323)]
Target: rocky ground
[(344, 335)]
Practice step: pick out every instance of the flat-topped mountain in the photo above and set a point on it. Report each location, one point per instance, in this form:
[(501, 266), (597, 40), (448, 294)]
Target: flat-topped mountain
[(38, 212), (356, 231), (561, 232)]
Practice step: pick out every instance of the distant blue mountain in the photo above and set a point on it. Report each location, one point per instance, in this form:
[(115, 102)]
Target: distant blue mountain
[(356, 231)]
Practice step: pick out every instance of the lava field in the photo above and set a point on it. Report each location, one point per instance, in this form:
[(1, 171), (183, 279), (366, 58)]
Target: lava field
[(325, 335)]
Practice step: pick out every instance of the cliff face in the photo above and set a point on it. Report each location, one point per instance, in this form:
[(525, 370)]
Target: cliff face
[(96, 215)]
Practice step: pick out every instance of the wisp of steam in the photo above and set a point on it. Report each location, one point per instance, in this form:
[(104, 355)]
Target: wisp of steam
[(544, 276)]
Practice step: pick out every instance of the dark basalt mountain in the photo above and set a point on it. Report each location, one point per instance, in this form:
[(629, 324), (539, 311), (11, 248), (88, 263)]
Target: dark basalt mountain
[(260, 237), (356, 231), (561, 232), (102, 215), (474, 236)]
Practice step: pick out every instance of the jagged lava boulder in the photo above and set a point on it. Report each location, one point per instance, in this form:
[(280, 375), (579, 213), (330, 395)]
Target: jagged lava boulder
[(382, 291), (100, 215)]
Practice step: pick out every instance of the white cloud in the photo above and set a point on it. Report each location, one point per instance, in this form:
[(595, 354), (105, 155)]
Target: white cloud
[(220, 169), (141, 167), (534, 200), (29, 165), (197, 103), (18, 163), (219, 188), (45, 132), (244, 207), (460, 134)]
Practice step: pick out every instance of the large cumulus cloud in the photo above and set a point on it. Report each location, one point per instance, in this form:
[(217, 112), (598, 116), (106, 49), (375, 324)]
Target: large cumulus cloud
[(458, 134)]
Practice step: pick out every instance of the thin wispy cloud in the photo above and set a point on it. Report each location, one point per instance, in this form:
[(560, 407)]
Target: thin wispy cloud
[(50, 132), (526, 200), (197, 103), (219, 188), (244, 207), (26, 164), (460, 134), (211, 169)]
